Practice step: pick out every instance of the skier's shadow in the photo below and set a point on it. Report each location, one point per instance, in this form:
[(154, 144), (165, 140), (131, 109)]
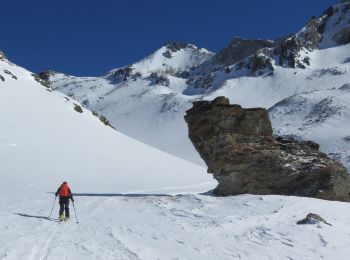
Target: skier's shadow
[(31, 216), (130, 195), (119, 195), (135, 195)]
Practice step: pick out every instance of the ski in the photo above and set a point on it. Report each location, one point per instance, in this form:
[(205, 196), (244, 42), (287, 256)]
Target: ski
[(52, 219)]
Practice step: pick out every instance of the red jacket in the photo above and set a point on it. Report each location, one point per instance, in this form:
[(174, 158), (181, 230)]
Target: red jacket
[(64, 191)]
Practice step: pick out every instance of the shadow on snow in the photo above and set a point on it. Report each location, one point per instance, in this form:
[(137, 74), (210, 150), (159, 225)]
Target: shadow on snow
[(129, 195), (32, 216), (135, 195)]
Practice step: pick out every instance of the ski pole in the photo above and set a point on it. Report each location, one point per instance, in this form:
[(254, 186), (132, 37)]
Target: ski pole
[(75, 213), (53, 206)]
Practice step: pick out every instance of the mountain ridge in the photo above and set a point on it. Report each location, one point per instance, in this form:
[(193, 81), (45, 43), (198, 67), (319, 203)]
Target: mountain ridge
[(147, 99)]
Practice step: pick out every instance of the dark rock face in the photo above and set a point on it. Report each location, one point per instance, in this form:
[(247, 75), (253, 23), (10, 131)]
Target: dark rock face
[(44, 83), (310, 36), (200, 81), (159, 79), (239, 49), (46, 74), (176, 46), (238, 146), (123, 74), (342, 37), (2, 56), (44, 78), (287, 52)]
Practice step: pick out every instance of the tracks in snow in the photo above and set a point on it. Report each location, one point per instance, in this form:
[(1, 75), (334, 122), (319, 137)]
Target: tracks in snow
[(183, 226)]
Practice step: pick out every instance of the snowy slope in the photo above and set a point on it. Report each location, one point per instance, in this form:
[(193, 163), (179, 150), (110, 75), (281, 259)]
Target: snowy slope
[(145, 100), (176, 227), (173, 57), (323, 116), (328, 68), (44, 141)]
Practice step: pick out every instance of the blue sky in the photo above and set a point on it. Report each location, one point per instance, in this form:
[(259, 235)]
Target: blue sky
[(90, 37)]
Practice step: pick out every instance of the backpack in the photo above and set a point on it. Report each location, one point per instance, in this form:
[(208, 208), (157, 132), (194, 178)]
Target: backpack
[(64, 191)]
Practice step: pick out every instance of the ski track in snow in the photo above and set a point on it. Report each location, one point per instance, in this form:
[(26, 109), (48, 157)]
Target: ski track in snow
[(42, 250), (176, 227)]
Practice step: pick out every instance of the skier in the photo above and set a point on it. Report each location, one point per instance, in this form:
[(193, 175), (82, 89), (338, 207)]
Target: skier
[(65, 194)]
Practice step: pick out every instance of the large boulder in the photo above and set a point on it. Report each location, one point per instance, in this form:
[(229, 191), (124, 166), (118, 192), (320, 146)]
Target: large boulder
[(241, 152)]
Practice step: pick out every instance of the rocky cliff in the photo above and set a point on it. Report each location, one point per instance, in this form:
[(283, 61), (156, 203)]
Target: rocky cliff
[(237, 50), (241, 152)]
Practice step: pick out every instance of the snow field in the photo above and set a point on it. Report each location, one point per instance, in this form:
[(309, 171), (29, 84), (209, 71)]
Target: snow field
[(175, 227)]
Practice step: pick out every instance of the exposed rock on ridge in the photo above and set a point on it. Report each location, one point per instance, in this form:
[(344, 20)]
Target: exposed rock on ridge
[(2, 56), (238, 49), (238, 146)]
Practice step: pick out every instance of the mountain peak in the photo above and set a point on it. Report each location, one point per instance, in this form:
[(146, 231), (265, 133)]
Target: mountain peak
[(176, 46), (173, 57)]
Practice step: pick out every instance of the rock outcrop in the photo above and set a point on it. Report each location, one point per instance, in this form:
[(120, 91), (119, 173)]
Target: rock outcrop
[(342, 37), (177, 46), (241, 152), (313, 218), (159, 79), (2, 56), (46, 74), (238, 49)]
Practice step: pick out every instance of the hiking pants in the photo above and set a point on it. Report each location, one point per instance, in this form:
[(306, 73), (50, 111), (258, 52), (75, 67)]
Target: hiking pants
[(64, 206)]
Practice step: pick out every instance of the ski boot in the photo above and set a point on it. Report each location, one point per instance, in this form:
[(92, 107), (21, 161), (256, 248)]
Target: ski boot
[(61, 217)]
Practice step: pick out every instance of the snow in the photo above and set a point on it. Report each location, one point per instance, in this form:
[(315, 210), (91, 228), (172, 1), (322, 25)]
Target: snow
[(133, 201), (322, 116), (150, 114), (44, 141), (180, 60), (131, 106), (175, 227)]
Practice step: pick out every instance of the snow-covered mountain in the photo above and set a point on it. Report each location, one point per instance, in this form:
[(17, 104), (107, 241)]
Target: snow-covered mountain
[(124, 193), (124, 190), (147, 100), (144, 100)]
